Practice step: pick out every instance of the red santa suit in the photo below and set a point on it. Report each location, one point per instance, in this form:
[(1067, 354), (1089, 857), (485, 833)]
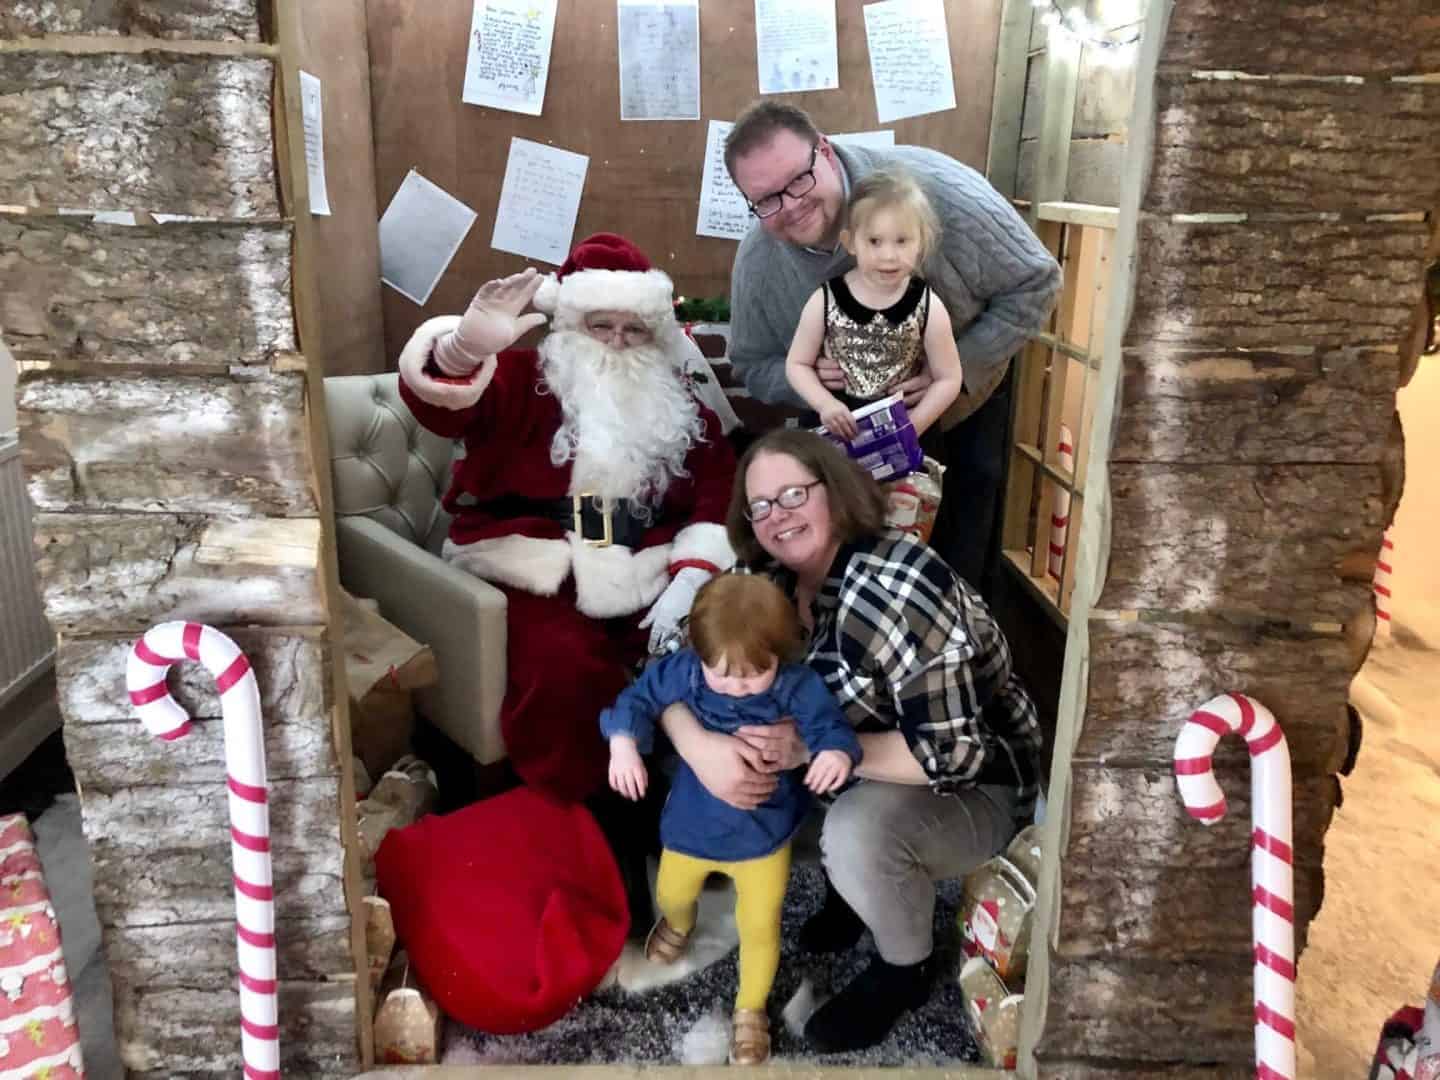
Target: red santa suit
[(575, 603)]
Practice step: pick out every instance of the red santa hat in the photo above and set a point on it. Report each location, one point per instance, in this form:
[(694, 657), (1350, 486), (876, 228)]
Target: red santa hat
[(511, 909), (606, 272)]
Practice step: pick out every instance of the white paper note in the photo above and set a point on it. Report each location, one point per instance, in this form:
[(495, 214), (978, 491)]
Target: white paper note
[(909, 58), (723, 210), (539, 201), (313, 123), (509, 54), (659, 59), (420, 232), (867, 138), (795, 45)]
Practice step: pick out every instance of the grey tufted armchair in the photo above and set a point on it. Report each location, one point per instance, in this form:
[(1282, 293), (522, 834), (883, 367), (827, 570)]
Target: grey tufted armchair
[(389, 474)]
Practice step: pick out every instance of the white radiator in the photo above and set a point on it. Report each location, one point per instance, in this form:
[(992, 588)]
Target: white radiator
[(27, 647)]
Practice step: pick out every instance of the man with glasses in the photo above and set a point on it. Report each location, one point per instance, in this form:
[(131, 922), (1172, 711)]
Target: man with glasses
[(996, 279)]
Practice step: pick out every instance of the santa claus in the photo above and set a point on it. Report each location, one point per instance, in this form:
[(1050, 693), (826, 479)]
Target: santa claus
[(592, 492)]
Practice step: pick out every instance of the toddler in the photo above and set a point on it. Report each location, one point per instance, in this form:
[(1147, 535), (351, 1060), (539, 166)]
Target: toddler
[(743, 631), (880, 322)]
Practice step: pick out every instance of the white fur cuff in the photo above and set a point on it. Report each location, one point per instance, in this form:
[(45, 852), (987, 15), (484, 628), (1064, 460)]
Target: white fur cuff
[(705, 541), (446, 393)]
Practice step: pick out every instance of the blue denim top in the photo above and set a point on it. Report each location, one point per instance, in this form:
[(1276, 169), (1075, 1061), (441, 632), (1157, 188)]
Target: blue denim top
[(694, 822)]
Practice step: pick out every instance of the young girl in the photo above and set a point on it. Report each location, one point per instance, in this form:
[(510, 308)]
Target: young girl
[(880, 322), (743, 631)]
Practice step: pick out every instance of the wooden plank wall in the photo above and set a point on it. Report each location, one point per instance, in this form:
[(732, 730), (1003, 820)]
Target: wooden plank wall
[(644, 176), (1273, 260), (172, 467), (1095, 99)]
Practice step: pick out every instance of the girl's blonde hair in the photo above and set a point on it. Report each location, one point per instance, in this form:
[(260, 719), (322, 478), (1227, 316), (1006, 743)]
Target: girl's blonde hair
[(746, 620), (894, 189)]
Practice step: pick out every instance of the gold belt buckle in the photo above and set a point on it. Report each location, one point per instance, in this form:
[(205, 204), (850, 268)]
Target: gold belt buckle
[(577, 511)]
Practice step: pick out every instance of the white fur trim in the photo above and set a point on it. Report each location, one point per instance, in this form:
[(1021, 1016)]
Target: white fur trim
[(415, 355), (649, 294), (612, 581), (525, 562), (703, 540)]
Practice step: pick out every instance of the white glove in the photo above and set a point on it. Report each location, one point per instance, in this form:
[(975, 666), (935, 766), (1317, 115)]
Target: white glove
[(492, 322), (673, 604)]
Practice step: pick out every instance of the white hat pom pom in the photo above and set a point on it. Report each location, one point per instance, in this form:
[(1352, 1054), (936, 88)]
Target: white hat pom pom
[(548, 295)]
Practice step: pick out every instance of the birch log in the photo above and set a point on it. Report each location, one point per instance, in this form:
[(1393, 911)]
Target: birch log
[(177, 444), (78, 294), (209, 20), (163, 132)]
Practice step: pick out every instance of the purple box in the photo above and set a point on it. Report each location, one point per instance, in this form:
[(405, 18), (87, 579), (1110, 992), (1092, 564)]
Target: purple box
[(887, 445)]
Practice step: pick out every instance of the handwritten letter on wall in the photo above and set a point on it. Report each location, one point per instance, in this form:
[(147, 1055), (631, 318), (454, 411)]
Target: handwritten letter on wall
[(723, 211), (909, 58), (509, 54), (795, 45), (659, 59), (539, 201)]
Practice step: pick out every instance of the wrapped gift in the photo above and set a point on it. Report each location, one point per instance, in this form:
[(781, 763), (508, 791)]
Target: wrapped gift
[(38, 1036), (886, 446), (993, 1011), (997, 905)]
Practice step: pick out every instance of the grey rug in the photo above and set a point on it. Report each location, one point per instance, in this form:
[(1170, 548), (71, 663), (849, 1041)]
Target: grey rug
[(614, 1026)]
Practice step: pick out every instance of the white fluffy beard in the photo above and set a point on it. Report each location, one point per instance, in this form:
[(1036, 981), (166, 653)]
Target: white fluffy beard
[(629, 419)]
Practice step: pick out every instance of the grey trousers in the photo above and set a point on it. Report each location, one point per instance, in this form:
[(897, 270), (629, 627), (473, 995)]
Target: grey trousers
[(885, 845)]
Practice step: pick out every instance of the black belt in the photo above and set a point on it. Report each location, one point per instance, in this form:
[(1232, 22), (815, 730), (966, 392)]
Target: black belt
[(595, 519)]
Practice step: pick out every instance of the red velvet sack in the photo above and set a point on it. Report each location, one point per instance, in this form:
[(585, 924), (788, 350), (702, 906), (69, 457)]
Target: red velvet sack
[(511, 910)]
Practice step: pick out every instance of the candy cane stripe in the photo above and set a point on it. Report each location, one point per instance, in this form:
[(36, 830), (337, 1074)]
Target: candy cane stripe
[(1271, 861), (249, 842), (190, 641), (146, 668), (254, 891), (146, 695), (1275, 962), (151, 657), (238, 669), (1263, 841), (1265, 742), (1270, 902), (254, 937), (249, 792), (1274, 1021), (1210, 722)]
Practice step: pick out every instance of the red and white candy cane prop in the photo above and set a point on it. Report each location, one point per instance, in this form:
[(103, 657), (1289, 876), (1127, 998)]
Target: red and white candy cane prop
[(1060, 508), (153, 655), (1384, 565), (1272, 876)]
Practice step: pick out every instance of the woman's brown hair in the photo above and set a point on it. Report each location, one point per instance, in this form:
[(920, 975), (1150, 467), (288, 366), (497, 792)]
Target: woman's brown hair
[(746, 620), (857, 506)]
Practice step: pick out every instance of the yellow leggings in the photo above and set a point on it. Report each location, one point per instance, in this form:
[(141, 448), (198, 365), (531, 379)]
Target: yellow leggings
[(759, 895)]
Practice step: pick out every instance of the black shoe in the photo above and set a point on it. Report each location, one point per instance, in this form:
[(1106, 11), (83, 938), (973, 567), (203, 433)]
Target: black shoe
[(862, 1014), (834, 928)]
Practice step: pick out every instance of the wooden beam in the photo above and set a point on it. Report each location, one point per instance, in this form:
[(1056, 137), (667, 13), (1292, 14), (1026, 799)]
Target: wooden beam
[(1091, 556), (1074, 213), (1052, 163), (1007, 107)]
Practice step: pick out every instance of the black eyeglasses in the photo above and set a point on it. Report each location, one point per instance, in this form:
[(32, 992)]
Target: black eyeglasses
[(790, 498), (770, 205)]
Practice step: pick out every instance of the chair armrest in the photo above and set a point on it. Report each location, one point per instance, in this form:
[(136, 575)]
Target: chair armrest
[(460, 617)]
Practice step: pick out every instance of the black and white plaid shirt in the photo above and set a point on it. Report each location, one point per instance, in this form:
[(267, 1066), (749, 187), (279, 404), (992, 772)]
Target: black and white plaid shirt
[(903, 642)]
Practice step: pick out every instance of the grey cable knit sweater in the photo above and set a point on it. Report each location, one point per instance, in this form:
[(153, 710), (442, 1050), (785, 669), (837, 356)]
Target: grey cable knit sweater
[(997, 280)]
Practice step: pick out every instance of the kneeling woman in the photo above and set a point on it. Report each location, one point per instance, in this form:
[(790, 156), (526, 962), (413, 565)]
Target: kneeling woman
[(920, 668)]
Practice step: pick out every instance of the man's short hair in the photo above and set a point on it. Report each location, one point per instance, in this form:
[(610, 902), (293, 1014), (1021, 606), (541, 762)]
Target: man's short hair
[(760, 123)]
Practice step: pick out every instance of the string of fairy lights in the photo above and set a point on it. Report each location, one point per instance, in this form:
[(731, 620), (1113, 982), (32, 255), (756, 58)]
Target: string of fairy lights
[(1076, 25)]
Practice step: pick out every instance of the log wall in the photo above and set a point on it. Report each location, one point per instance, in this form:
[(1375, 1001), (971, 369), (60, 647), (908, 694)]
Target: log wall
[(1273, 238), (168, 428)]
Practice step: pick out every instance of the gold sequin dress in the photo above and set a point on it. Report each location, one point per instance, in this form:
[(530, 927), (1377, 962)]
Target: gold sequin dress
[(875, 349)]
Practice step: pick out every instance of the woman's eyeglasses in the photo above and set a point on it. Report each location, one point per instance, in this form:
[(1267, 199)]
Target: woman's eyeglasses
[(790, 498), (769, 205)]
